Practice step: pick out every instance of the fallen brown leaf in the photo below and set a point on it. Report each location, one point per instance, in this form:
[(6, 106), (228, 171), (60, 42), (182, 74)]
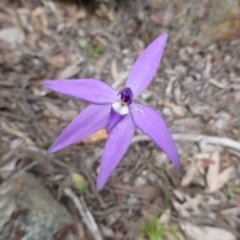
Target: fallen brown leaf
[(12, 35), (189, 175), (69, 71), (57, 60), (213, 171), (6, 128), (96, 137), (215, 179), (150, 191), (207, 163), (205, 232), (237, 96), (59, 113), (114, 69), (176, 109)]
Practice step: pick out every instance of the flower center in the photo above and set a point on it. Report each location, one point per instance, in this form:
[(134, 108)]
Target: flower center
[(126, 96)]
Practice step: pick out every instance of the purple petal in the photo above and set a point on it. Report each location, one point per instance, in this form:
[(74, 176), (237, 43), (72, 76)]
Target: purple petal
[(146, 66), (153, 124), (115, 118), (89, 121), (116, 146), (91, 90)]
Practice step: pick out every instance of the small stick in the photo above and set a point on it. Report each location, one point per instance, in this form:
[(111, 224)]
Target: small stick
[(85, 214), (226, 142)]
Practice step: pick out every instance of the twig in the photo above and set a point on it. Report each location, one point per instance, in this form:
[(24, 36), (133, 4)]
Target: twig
[(119, 208), (92, 184), (226, 142), (85, 214)]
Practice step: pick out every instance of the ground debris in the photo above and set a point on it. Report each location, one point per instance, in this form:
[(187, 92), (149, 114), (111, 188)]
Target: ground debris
[(196, 89)]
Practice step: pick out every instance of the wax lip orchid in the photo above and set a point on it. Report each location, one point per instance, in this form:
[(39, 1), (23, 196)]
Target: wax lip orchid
[(117, 111)]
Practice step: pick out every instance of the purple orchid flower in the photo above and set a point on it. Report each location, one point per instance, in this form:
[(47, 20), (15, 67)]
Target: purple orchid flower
[(117, 111)]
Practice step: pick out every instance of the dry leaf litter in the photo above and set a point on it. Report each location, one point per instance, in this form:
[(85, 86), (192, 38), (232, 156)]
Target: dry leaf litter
[(197, 89)]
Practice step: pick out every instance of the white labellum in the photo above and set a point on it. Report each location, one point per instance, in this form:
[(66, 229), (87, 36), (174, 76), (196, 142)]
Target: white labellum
[(121, 109)]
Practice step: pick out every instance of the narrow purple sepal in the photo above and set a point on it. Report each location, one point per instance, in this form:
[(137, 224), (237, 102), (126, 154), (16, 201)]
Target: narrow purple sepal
[(115, 148), (153, 124), (91, 90), (115, 118), (89, 121), (146, 66)]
